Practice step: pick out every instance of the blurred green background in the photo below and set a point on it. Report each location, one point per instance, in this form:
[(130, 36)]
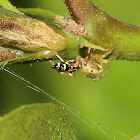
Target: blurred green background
[(112, 103)]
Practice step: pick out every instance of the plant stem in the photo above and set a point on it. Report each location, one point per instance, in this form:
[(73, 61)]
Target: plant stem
[(7, 5), (105, 31), (101, 31), (54, 18)]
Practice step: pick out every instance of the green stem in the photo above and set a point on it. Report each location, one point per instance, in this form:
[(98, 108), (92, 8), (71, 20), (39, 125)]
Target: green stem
[(101, 31), (45, 14), (105, 31), (7, 5), (29, 57)]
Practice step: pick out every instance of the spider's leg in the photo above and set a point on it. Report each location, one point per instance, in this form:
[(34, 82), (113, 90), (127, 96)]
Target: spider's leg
[(110, 59), (100, 58), (68, 73), (52, 62), (59, 57), (107, 52), (77, 62)]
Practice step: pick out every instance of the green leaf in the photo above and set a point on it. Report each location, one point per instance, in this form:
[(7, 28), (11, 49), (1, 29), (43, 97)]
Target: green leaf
[(36, 122)]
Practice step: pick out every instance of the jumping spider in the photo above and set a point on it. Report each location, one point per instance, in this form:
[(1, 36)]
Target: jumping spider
[(92, 67)]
